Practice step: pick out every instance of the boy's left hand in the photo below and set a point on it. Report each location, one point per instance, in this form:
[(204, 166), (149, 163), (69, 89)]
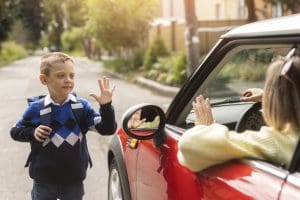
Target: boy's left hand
[(105, 91)]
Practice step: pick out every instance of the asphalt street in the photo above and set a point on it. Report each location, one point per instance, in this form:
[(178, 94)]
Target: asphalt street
[(19, 81)]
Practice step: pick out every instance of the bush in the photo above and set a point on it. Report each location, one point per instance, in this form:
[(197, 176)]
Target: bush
[(125, 65), (44, 42), (10, 52), (121, 65), (138, 58), (72, 40), (169, 70), (180, 68), (157, 49)]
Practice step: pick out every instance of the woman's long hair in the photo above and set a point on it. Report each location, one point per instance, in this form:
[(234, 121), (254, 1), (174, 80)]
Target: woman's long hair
[(281, 99)]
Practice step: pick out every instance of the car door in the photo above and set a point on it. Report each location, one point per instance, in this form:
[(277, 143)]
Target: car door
[(160, 176)]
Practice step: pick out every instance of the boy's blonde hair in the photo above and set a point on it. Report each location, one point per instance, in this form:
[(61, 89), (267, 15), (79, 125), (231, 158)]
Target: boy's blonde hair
[(281, 99), (49, 59)]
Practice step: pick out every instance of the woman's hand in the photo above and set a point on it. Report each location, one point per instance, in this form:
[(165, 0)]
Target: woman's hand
[(105, 91), (202, 111), (252, 94), (135, 120)]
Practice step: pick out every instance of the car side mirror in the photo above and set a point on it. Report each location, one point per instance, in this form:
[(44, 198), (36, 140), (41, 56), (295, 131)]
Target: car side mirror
[(145, 121)]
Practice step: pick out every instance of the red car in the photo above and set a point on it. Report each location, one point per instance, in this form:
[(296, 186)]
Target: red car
[(143, 161)]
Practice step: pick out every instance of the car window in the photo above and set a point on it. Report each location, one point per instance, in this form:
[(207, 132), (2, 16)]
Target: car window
[(242, 68), (245, 69)]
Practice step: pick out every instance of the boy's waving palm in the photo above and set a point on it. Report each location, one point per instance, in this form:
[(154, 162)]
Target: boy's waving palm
[(105, 91)]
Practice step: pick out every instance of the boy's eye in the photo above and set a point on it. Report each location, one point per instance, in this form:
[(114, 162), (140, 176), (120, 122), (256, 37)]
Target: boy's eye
[(60, 75)]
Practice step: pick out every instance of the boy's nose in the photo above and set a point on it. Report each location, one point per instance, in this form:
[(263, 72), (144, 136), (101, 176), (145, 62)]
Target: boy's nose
[(68, 79)]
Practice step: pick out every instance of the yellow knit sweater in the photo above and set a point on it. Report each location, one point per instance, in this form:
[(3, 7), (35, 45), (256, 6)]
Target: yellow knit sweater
[(203, 146)]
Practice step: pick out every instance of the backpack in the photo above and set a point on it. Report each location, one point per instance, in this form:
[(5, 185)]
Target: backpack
[(46, 120)]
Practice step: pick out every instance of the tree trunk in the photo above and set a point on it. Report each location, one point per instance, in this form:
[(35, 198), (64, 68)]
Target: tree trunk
[(191, 36), (294, 7), (251, 10)]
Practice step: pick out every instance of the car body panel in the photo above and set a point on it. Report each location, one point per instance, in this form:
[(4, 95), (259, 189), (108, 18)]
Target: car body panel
[(156, 174), (291, 188), (235, 180)]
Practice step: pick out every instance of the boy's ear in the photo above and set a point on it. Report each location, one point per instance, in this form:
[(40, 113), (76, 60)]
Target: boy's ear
[(43, 79)]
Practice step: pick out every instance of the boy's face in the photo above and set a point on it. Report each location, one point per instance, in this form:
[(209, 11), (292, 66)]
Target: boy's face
[(60, 81)]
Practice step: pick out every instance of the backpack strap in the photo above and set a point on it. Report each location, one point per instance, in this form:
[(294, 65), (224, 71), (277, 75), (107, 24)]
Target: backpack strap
[(78, 110), (45, 115)]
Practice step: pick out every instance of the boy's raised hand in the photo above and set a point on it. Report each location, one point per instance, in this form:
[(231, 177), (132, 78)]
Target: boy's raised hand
[(105, 91)]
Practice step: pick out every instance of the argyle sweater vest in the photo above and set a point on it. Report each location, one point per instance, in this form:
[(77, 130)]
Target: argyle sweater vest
[(63, 157)]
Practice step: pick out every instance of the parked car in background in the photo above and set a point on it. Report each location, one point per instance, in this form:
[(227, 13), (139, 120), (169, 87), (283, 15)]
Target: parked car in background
[(143, 161)]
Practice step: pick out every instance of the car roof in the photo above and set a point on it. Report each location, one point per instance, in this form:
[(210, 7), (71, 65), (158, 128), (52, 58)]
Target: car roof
[(287, 25)]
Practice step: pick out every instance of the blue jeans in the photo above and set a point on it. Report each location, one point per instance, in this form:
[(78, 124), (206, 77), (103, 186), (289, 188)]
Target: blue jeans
[(42, 191)]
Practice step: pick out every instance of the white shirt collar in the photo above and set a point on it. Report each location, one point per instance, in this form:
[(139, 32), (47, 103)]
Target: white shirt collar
[(49, 100)]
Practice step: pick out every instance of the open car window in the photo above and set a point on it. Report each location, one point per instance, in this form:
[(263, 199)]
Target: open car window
[(242, 68)]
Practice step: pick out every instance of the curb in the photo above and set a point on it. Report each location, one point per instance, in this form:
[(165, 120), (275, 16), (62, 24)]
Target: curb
[(150, 84), (163, 89)]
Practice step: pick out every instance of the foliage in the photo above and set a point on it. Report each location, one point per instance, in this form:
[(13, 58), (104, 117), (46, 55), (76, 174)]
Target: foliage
[(6, 18), (120, 65), (75, 13), (156, 49), (125, 65), (247, 65), (138, 58), (11, 51), (72, 39), (180, 68), (44, 42), (54, 15), (14, 34), (120, 23), (171, 70), (31, 14)]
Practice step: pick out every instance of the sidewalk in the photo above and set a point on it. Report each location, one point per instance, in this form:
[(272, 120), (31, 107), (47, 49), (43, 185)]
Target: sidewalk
[(152, 85)]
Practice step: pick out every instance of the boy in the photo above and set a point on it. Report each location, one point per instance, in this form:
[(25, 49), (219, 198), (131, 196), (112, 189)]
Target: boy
[(56, 126)]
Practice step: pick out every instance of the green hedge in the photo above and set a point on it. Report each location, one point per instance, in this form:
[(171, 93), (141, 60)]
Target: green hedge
[(10, 52)]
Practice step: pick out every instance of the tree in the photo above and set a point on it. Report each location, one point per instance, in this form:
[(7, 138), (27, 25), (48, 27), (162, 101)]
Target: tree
[(251, 10), (191, 36), (55, 16), (31, 14), (119, 24), (74, 13), (6, 18)]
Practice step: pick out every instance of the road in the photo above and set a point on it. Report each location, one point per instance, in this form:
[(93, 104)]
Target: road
[(18, 81)]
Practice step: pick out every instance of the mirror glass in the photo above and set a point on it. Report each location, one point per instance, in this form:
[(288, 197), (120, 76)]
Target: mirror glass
[(143, 122)]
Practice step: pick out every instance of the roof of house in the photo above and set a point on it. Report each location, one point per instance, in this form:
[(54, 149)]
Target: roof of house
[(287, 25)]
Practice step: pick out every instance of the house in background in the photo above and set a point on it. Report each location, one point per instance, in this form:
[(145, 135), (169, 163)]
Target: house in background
[(205, 10), (218, 9), (215, 17)]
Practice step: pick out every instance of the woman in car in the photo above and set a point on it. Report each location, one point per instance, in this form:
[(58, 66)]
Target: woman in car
[(210, 143)]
